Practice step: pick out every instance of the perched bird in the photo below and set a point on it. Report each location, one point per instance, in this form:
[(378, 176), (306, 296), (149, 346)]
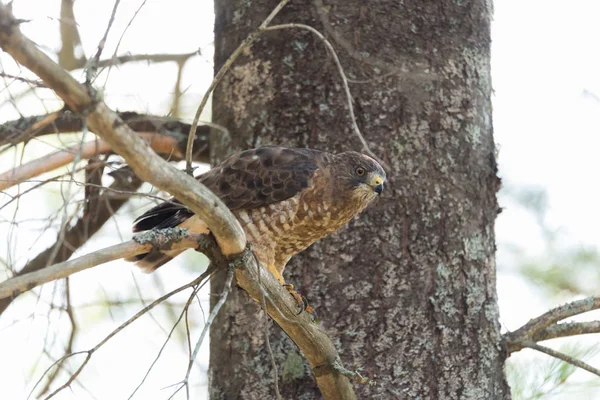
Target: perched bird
[(285, 200)]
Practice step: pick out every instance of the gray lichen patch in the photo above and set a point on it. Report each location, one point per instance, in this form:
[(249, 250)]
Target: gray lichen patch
[(474, 247), (171, 235), (293, 368), (241, 83)]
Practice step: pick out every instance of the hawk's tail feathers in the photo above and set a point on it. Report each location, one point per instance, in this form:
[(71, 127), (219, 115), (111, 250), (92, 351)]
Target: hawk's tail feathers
[(165, 215), (150, 262)]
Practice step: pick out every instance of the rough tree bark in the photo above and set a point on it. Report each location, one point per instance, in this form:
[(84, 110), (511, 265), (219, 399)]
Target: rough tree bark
[(409, 287)]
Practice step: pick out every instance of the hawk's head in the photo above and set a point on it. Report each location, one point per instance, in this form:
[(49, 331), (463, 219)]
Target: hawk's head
[(359, 175)]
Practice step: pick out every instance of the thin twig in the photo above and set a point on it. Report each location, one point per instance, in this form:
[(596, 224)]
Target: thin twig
[(245, 44), (119, 329), (393, 69), (67, 199), (209, 321), (92, 64), (183, 312), (344, 82), (263, 303), (69, 348), (269, 348), (135, 14), (37, 83), (561, 356)]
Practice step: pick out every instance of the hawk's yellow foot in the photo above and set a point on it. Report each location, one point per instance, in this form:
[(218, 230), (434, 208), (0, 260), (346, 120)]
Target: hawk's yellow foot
[(301, 300)]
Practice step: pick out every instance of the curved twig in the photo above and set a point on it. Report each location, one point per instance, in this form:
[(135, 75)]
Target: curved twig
[(219, 76), (338, 64)]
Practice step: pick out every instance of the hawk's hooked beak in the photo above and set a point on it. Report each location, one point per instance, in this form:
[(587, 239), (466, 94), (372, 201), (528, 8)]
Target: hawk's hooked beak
[(377, 184)]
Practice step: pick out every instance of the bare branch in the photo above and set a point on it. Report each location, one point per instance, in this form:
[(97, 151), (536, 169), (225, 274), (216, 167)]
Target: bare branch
[(514, 340), (150, 58), (211, 318), (69, 348), (160, 143), (24, 80), (567, 329), (166, 239), (561, 356), (70, 39), (24, 129)]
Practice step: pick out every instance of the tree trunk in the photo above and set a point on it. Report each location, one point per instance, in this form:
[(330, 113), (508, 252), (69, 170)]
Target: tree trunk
[(408, 289)]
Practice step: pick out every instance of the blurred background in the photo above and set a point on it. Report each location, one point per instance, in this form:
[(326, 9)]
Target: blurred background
[(547, 128)]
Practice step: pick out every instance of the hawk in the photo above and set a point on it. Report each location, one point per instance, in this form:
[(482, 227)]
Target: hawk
[(285, 200)]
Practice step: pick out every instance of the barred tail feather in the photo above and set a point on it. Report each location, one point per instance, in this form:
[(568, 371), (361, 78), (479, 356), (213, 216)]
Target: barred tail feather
[(150, 262), (165, 215)]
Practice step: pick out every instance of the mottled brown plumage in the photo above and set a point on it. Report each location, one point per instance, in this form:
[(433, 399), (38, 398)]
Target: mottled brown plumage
[(285, 199)]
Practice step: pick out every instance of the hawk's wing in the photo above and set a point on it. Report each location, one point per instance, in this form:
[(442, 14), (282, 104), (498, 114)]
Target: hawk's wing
[(259, 177), (250, 179)]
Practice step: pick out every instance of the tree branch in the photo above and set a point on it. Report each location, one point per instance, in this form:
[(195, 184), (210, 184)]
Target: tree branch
[(27, 128), (162, 144), (154, 58), (515, 340), (165, 239), (561, 356), (567, 329), (70, 39)]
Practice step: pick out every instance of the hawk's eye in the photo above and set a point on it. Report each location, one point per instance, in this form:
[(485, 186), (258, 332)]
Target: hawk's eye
[(360, 171)]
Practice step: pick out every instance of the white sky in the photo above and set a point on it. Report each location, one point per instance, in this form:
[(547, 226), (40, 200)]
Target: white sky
[(547, 121)]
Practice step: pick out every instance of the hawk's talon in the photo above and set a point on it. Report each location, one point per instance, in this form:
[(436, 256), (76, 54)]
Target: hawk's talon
[(301, 300)]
